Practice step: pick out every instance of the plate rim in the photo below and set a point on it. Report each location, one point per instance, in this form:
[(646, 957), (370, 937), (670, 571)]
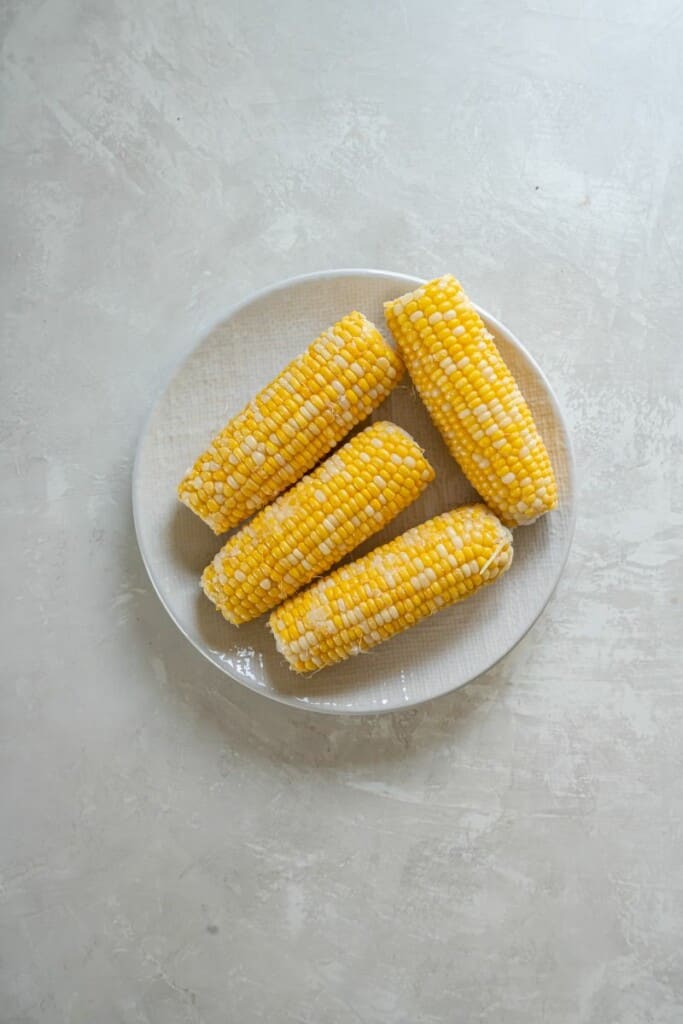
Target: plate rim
[(233, 310)]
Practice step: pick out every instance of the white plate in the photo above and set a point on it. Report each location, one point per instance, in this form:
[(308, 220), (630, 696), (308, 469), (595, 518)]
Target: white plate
[(250, 346)]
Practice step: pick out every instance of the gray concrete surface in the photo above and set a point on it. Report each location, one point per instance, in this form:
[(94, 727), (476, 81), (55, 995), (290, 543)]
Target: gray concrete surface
[(174, 849)]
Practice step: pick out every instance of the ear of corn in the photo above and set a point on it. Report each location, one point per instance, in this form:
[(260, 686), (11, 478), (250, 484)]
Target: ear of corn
[(473, 399), (292, 423), (361, 604), (352, 495)]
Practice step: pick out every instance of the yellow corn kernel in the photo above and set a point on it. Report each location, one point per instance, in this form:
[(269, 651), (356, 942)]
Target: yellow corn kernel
[(351, 496), (372, 599), (473, 399), (292, 423)]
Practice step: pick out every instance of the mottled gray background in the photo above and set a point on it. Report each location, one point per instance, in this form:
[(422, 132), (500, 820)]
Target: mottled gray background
[(175, 849)]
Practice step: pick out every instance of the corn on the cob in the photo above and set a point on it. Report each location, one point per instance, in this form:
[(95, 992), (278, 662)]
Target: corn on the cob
[(473, 399), (358, 605), (292, 423), (352, 495)]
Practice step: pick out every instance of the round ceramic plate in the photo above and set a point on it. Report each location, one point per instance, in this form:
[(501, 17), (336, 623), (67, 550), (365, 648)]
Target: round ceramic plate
[(251, 345)]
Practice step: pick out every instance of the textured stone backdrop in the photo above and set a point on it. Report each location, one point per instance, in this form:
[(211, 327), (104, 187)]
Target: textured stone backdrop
[(173, 848)]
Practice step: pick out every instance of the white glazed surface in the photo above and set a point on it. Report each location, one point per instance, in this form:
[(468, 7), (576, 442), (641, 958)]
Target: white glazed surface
[(227, 368), (173, 848)]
